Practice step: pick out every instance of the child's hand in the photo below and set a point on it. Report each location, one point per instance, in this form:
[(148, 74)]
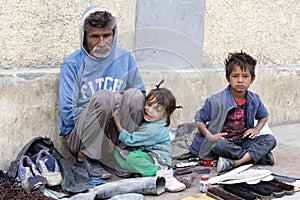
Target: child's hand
[(213, 138), (116, 117), (251, 133)]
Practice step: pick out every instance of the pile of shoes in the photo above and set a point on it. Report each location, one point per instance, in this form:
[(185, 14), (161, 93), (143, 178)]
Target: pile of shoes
[(35, 172), (246, 183), (264, 190)]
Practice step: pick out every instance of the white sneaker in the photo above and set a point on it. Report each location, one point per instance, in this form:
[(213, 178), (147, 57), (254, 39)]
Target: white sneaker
[(224, 164), (48, 167), (172, 184), (26, 169)]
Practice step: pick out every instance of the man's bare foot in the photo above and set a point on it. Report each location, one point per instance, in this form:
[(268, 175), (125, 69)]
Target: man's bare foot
[(81, 157)]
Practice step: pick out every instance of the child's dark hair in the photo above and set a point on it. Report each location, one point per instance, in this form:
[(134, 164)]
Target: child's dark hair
[(243, 60), (164, 98)]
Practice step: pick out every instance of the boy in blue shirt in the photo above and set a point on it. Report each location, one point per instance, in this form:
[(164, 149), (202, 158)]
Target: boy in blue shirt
[(227, 120)]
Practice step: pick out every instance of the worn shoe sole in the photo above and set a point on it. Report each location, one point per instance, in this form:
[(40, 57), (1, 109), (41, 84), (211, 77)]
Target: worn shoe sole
[(249, 175), (183, 171), (105, 176), (288, 189), (220, 194)]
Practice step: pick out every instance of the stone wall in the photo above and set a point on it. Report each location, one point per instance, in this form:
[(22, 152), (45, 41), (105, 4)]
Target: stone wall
[(39, 34), (268, 30)]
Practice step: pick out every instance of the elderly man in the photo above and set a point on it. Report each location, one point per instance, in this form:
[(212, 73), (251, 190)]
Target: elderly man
[(94, 81)]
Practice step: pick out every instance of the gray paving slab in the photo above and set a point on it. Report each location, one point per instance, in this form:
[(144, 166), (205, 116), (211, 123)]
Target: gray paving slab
[(288, 134)]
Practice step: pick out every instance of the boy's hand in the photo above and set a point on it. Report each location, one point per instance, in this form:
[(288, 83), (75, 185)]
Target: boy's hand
[(213, 138), (251, 133)]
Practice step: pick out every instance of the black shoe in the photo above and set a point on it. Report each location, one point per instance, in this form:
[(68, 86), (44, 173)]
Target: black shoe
[(276, 190), (240, 191), (95, 169), (123, 173), (260, 190), (268, 159)]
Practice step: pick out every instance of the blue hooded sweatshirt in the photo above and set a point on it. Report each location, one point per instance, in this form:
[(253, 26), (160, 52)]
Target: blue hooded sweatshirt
[(82, 75)]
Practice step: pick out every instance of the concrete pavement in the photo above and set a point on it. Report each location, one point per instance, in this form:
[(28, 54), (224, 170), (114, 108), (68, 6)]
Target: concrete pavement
[(286, 152)]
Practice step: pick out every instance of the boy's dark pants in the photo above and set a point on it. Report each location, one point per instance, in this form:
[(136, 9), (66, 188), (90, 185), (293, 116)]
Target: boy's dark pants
[(236, 148)]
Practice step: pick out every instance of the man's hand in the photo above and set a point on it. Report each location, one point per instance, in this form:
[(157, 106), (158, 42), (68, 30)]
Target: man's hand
[(117, 121), (66, 137), (111, 145)]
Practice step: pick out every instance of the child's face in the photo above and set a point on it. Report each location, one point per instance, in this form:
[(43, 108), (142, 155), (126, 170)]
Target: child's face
[(153, 111), (240, 80)]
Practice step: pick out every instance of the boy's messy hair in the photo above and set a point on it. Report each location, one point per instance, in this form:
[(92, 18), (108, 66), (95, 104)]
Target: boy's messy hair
[(243, 60), (164, 98)]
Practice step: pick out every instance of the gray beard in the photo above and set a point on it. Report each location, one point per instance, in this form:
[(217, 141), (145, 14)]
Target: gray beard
[(100, 55)]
